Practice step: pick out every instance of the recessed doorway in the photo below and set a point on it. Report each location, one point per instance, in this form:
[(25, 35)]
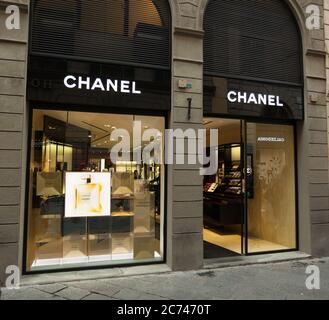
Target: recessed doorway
[(249, 203), (223, 204)]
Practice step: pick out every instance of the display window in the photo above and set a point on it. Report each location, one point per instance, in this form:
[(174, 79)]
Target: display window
[(87, 208)]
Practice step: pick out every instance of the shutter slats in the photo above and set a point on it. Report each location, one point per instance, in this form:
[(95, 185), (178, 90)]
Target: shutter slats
[(121, 31), (252, 38)]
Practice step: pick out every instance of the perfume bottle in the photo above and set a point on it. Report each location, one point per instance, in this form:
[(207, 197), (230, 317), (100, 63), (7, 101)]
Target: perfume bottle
[(88, 197)]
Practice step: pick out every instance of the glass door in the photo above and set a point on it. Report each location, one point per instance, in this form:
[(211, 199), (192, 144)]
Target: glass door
[(270, 188)]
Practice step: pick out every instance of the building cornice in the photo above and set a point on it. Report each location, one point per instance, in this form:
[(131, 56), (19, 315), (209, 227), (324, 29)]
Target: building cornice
[(189, 32)]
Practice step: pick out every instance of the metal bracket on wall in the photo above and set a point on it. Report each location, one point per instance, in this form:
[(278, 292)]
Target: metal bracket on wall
[(189, 100)]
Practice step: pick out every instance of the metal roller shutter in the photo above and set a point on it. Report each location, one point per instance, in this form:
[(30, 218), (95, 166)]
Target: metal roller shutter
[(135, 32), (257, 39)]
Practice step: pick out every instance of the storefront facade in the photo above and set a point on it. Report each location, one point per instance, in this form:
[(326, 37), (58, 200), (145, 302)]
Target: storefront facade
[(154, 65)]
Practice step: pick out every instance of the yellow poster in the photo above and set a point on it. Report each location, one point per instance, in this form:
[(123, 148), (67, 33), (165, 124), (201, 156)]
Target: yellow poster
[(87, 194)]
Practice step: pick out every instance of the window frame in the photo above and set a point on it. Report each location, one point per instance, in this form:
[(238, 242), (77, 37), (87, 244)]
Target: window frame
[(163, 200)]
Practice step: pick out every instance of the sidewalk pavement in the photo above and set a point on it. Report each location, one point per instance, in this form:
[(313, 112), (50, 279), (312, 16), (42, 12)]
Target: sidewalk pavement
[(279, 281)]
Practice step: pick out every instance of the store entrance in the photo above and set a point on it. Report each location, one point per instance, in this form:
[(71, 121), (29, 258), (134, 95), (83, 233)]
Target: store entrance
[(223, 203), (249, 203)]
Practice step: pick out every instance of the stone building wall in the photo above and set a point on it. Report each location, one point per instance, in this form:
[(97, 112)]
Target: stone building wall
[(13, 54)]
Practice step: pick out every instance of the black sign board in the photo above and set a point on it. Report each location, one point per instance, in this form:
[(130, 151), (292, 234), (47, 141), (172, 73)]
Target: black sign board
[(77, 83), (241, 98)]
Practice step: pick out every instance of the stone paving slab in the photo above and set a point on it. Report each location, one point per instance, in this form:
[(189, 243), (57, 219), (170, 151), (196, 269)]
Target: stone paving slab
[(279, 281), (104, 287), (97, 297), (27, 294), (73, 293), (133, 294), (51, 288)]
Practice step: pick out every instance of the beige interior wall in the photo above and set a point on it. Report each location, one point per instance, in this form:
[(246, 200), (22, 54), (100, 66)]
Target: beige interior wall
[(272, 212), (227, 135)]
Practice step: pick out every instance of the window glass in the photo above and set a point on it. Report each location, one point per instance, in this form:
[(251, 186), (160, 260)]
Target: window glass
[(87, 207)]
